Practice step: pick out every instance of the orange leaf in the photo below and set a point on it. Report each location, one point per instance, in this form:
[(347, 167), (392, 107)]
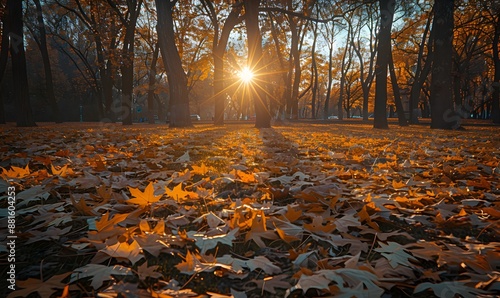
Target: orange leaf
[(16, 172), (179, 195), (317, 226), (398, 184), (364, 216), (292, 214), (145, 198)]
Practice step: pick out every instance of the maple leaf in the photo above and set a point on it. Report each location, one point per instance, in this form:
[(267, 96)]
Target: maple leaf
[(34, 193), (151, 243), (143, 199), (62, 172), (395, 254), (107, 227), (144, 271), (15, 172), (259, 230), (306, 282), (264, 264), (124, 250), (82, 207), (98, 273), (342, 224), (316, 226), (213, 220), (43, 288), (208, 242), (52, 233), (183, 158), (449, 289), (201, 170), (146, 229), (292, 214), (178, 194), (192, 265), (269, 284), (244, 177)]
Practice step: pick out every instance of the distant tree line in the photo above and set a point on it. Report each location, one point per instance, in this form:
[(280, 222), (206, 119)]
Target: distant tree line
[(145, 60)]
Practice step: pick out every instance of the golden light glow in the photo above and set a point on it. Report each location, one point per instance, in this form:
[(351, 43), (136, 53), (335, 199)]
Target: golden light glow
[(246, 75)]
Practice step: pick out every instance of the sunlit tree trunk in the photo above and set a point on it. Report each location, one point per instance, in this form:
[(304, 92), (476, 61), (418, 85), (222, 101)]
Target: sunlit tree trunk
[(255, 62), (177, 80), (42, 44), (326, 108), (343, 72), (314, 67), (218, 51), (284, 74), (442, 113), (19, 72), (383, 54), (397, 94)]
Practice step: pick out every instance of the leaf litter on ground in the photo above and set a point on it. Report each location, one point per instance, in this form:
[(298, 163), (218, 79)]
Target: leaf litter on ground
[(299, 210)]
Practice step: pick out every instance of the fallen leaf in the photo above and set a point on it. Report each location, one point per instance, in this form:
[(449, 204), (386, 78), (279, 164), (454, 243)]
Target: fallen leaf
[(98, 273), (143, 199)]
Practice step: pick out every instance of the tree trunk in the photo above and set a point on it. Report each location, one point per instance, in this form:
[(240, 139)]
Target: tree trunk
[(326, 107), (49, 83), (19, 72), (383, 54), (4, 56), (343, 73), (314, 67), (442, 114), (420, 74), (219, 50), (152, 85), (293, 99), (127, 67), (397, 93), (284, 73), (495, 110), (179, 101), (255, 63)]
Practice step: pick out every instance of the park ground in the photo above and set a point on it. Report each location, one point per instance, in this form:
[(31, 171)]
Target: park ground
[(304, 209)]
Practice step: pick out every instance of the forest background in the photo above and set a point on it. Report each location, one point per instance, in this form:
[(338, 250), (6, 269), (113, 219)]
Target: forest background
[(103, 61)]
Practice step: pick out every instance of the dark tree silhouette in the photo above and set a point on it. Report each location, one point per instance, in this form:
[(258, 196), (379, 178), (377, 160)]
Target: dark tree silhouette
[(4, 56), (442, 114), (19, 73), (177, 80), (383, 58), (219, 50), (255, 62), (41, 41)]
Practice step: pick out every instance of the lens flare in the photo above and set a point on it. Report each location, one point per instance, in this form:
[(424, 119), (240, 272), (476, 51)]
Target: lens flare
[(246, 75)]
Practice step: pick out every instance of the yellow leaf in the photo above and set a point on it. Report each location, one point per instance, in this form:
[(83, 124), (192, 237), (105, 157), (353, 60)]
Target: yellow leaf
[(145, 198), (62, 172), (179, 194), (16, 172), (201, 170)]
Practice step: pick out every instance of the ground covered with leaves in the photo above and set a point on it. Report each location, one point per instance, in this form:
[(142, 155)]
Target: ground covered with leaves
[(302, 210)]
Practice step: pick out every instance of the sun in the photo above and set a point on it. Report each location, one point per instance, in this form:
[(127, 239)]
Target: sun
[(246, 75)]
